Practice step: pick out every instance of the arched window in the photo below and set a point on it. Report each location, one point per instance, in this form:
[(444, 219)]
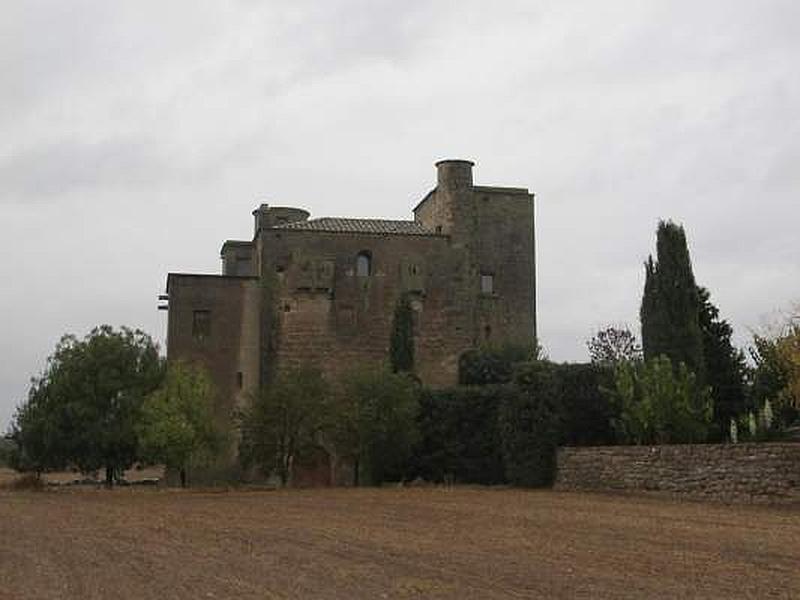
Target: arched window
[(363, 264)]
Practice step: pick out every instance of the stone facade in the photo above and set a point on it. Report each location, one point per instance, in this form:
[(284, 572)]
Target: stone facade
[(323, 291), (768, 472)]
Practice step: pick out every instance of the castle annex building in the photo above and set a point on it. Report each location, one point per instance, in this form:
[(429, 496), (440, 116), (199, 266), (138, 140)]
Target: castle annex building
[(324, 290)]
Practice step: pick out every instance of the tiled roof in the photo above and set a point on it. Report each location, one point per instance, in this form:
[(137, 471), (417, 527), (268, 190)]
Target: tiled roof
[(372, 226)]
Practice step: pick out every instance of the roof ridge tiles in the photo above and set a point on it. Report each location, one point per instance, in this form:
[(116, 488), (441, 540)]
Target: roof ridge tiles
[(358, 225)]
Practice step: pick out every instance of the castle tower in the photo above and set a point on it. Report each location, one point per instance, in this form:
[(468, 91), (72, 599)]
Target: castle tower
[(491, 231)]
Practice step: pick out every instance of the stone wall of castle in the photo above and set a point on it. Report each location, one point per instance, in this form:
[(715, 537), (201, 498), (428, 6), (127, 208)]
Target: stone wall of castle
[(328, 315), (214, 321)]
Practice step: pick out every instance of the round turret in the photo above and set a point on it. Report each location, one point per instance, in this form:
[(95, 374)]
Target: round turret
[(454, 174), (271, 216)]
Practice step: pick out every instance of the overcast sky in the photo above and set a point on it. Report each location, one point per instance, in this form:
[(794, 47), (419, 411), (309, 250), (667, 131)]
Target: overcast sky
[(137, 136)]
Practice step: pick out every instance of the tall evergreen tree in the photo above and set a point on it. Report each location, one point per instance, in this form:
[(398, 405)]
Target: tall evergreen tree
[(725, 366), (401, 344), (670, 304)]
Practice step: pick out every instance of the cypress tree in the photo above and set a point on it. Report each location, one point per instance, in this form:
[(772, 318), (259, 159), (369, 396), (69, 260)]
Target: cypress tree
[(401, 344), (671, 304)]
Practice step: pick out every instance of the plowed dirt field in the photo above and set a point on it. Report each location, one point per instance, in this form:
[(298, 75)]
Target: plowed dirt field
[(390, 543)]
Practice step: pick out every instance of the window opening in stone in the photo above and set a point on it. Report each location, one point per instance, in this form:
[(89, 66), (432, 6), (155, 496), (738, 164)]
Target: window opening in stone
[(487, 283), (239, 379), (364, 264), (438, 229), (201, 324)]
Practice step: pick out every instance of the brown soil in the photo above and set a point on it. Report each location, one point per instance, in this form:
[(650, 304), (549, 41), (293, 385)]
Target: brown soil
[(390, 543)]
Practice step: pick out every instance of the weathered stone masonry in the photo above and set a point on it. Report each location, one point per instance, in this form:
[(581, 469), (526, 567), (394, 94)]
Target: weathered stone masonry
[(323, 291), (725, 472)]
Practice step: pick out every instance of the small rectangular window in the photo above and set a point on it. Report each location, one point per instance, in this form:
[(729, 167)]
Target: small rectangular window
[(201, 324), (239, 379), (487, 283)]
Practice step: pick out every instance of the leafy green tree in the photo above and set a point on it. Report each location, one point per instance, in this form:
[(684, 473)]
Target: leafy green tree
[(789, 352), (374, 423), (658, 404), (612, 345), (39, 443), (770, 376), (401, 343), (726, 369), (177, 426), (671, 304), (285, 422), (84, 408), (776, 375)]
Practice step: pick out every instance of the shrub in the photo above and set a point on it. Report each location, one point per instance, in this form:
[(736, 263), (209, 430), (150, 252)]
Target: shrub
[(486, 366), (6, 451), (660, 405)]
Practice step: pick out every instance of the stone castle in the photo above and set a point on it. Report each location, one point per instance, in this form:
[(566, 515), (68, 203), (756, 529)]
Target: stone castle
[(323, 291)]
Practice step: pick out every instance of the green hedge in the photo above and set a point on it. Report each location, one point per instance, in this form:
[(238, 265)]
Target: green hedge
[(508, 432), (459, 435), (584, 410), (530, 426)]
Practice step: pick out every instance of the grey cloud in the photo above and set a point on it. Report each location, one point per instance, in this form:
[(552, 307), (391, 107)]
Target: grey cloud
[(47, 172)]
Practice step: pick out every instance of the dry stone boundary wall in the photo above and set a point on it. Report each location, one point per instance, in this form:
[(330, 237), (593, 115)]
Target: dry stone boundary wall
[(762, 473)]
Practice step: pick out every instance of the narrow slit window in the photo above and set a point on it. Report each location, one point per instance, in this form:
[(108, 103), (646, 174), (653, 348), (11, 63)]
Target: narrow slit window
[(487, 283), (239, 379)]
